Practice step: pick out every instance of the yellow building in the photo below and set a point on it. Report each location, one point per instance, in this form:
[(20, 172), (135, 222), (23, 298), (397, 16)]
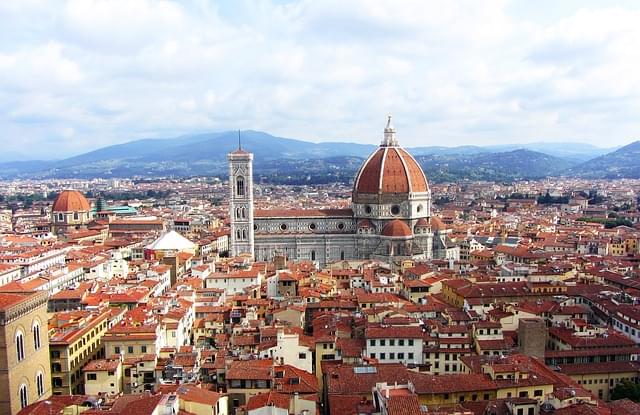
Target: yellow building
[(248, 377), (414, 290), (344, 381), (74, 339), (198, 401), (133, 340), (602, 377), (103, 376), (25, 375), (631, 245), (516, 376), (139, 373), (616, 247)]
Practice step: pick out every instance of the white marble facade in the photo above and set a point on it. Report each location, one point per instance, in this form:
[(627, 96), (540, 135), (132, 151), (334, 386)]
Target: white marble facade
[(324, 236)]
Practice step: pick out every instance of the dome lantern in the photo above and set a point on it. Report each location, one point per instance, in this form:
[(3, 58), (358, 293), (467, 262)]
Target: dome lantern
[(389, 139)]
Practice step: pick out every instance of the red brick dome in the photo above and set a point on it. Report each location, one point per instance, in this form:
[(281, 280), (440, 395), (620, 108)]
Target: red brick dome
[(422, 222), (390, 170), (437, 224), (396, 228), (71, 201), (365, 223)]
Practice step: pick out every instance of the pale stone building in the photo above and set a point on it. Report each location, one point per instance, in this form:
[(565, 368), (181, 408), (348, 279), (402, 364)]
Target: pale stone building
[(103, 376), (389, 218), (25, 375), (290, 351)]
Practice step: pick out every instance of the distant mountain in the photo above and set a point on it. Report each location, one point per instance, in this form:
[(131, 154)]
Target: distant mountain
[(505, 166), (264, 147), (278, 158), (202, 154), (135, 149), (624, 162), (441, 150), (574, 151)]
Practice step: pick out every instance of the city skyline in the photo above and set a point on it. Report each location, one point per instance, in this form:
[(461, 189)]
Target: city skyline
[(77, 76)]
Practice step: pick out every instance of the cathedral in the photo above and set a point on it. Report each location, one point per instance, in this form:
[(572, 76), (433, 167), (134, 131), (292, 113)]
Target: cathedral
[(389, 218)]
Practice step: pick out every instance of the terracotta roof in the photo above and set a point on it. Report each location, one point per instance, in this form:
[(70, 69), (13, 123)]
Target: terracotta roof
[(250, 369), (397, 332), (437, 224), (403, 405), (583, 408), (599, 367), (271, 398), (70, 201), (192, 393), (102, 365), (10, 299), (55, 404), (422, 222), (136, 404), (390, 170), (350, 405), (365, 223), (349, 380), (285, 374), (396, 228), (624, 407)]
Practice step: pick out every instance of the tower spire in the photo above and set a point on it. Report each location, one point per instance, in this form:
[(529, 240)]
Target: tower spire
[(389, 134), (239, 141)]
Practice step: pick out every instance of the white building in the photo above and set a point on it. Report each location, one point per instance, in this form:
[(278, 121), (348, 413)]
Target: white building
[(626, 320), (235, 282), (9, 273), (395, 344), (289, 351)]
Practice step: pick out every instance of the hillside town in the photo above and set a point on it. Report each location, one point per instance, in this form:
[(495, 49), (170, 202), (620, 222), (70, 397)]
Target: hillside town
[(149, 297)]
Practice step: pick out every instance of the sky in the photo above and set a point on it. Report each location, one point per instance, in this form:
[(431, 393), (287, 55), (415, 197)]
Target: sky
[(82, 74)]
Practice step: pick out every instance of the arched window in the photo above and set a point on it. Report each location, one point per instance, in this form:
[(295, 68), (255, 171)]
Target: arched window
[(75, 216), (40, 383), (60, 217), (238, 235), (240, 186), (313, 255), (36, 335), (244, 234), (20, 346), (23, 396), (341, 255), (243, 213)]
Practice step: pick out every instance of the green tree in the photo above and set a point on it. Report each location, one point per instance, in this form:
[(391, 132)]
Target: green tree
[(626, 389)]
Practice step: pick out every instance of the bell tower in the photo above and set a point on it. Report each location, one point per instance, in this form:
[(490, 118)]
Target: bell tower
[(241, 201)]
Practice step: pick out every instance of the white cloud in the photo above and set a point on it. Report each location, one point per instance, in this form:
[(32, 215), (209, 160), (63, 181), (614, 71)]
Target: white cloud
[(79, 74)]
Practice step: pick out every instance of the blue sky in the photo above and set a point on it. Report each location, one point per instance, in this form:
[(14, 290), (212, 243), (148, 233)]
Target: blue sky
[(82, 74)]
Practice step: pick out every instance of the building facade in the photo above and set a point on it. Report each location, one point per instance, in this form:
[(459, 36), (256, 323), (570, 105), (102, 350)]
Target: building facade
[(75, 339), (389, 218), (241, 202), (25, 376)]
